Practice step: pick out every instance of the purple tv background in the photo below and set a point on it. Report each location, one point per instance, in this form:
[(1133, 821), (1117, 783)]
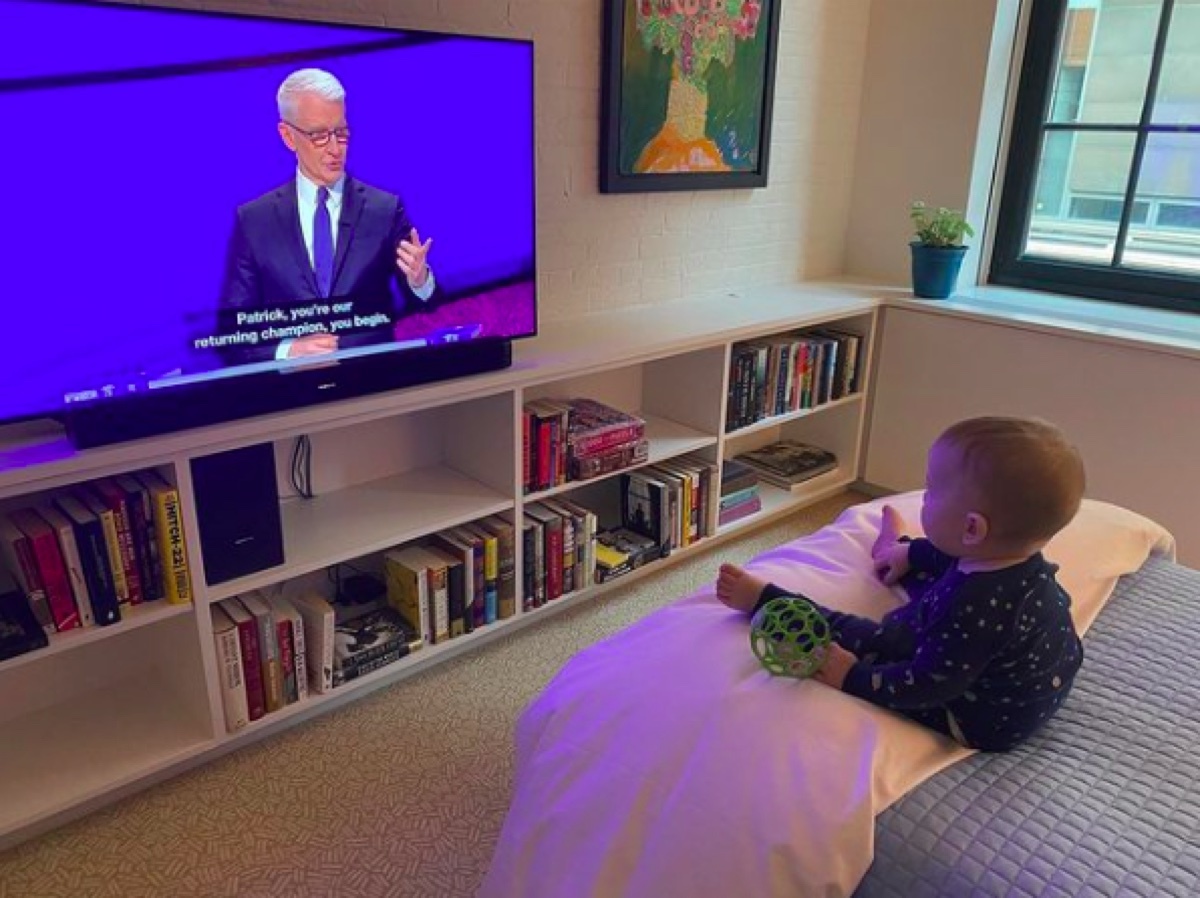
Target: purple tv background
[(122, 188)]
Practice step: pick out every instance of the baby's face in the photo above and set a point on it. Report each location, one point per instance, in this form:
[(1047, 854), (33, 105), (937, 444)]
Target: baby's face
[(948, 500)]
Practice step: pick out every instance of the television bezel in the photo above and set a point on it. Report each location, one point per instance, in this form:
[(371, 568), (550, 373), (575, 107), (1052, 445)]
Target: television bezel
[(243, 396)]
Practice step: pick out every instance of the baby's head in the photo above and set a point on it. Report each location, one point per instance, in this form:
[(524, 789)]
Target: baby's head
[(1000, 487)]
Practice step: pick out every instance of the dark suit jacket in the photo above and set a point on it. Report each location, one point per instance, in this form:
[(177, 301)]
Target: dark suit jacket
[(268, 266)]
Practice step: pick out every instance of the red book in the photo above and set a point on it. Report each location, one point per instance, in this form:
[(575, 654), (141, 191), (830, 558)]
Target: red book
[(56, 581), (247, 627)]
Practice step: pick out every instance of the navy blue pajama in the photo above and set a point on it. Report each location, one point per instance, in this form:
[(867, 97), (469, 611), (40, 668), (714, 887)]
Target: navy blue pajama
[(986, 658)]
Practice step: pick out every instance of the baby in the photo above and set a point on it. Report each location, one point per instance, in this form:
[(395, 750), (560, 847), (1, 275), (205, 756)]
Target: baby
[(986, 650)]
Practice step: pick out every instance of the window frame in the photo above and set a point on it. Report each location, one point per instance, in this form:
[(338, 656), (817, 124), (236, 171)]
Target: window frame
[(1168, 290)]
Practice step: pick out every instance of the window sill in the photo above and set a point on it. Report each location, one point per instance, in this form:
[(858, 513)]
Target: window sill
[(1177, 333)]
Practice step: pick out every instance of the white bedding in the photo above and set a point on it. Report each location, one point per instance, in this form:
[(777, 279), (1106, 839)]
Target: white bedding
[(666, 762)]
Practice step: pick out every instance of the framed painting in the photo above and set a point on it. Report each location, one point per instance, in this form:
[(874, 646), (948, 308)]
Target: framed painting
[(688, 87)]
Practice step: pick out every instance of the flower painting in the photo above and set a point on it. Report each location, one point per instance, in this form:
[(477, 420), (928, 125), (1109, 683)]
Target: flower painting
[(688, 87)]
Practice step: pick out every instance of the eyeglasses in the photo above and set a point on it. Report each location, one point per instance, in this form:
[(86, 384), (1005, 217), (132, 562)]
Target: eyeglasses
[(322, 136)]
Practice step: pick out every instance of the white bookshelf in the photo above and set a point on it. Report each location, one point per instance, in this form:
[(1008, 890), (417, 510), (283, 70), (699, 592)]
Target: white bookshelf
[(104, 711)]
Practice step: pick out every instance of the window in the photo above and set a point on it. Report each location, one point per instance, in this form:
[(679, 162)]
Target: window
[(1102, 188)]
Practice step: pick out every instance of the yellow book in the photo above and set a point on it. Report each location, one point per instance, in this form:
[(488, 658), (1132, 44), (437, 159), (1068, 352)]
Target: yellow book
[(112, 543), (408, 588), (168, 531)]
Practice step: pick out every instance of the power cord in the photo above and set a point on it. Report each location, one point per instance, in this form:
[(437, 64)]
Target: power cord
[(301, 473)]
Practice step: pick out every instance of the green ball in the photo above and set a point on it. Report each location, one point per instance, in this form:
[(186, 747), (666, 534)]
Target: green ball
[(790, 637)]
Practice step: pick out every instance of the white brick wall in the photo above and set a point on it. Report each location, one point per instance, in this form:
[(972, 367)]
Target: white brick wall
[(604, 251)]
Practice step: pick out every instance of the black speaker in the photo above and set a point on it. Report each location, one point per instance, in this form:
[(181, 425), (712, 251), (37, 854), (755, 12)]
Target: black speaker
[(237, 508)]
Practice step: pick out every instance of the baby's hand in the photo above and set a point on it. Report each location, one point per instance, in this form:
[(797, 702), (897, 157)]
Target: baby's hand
[(892, 564), (890, 557)]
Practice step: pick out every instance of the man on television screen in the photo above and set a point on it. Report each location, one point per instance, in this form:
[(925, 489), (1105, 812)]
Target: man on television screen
[(323, 238)]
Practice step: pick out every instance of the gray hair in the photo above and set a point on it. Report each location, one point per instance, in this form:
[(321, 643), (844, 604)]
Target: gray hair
[(307, 81)]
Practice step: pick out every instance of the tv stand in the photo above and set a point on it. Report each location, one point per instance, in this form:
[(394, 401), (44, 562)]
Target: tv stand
[(199, 403), (142, 699)]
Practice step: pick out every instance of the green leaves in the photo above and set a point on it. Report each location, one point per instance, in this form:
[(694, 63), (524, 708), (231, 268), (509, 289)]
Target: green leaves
[(939, 227)]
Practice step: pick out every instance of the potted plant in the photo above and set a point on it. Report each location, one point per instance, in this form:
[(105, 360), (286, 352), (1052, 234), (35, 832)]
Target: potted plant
[(938, 251)]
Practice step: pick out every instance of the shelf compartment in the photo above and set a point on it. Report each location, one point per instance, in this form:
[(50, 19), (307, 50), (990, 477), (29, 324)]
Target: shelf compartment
[(133, 617), (367, 518), (667, 439), (76, 751)]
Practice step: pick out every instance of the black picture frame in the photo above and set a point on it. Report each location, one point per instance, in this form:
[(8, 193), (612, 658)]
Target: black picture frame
[(616, 177)]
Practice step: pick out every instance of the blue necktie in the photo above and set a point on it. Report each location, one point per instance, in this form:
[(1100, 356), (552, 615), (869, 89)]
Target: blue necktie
[(323, 243)]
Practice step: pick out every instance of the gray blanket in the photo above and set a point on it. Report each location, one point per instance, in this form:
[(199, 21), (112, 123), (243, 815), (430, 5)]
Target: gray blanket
[(1105, 801)]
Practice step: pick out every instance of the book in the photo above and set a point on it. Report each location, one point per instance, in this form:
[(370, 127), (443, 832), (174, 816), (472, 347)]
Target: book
[(140, 505), (462, 599), (475, 612), (368, 641), (594, 427), (53, 570), (169, 534), (93, 558), (252, 672), (229, 670), (115, 500), (491, 572), (20, 631), (437, 574), (736, 476), (268, 648), (319, 624), (408, 589), (112, 547), (297, 674), (787, 463), (17, 549), (506, 564), (65, 532)]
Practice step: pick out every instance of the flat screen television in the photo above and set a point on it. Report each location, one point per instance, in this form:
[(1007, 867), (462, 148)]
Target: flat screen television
[(187, 241)]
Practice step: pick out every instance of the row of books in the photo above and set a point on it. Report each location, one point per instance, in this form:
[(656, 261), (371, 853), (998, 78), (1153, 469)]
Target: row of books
[(577, 439), (670, 501), (455, 581), (84, 556), (789, 372)]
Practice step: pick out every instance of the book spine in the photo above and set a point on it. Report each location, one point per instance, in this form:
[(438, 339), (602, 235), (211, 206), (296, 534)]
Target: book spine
[(506, 575), (233, 683), (75, 576), (93, 557), (528, 568), (26, 571), (141, 526), (268, 647), (115, 500), (391, 653), (172, 547), (256, 702), (491, 579), (439, 595), (113, 550), (300, 656), (56, 581), (586, 444), (554, 559), (287, 658)]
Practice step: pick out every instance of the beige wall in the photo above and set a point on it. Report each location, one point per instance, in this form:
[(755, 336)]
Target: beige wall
[(924, 133), (598, 252), (1130, 410)]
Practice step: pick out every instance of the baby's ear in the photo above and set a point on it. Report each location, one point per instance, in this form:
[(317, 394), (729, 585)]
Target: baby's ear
[(975, 529)]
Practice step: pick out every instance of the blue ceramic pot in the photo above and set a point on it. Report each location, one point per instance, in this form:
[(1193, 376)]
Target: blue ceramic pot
[(935, 269)]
